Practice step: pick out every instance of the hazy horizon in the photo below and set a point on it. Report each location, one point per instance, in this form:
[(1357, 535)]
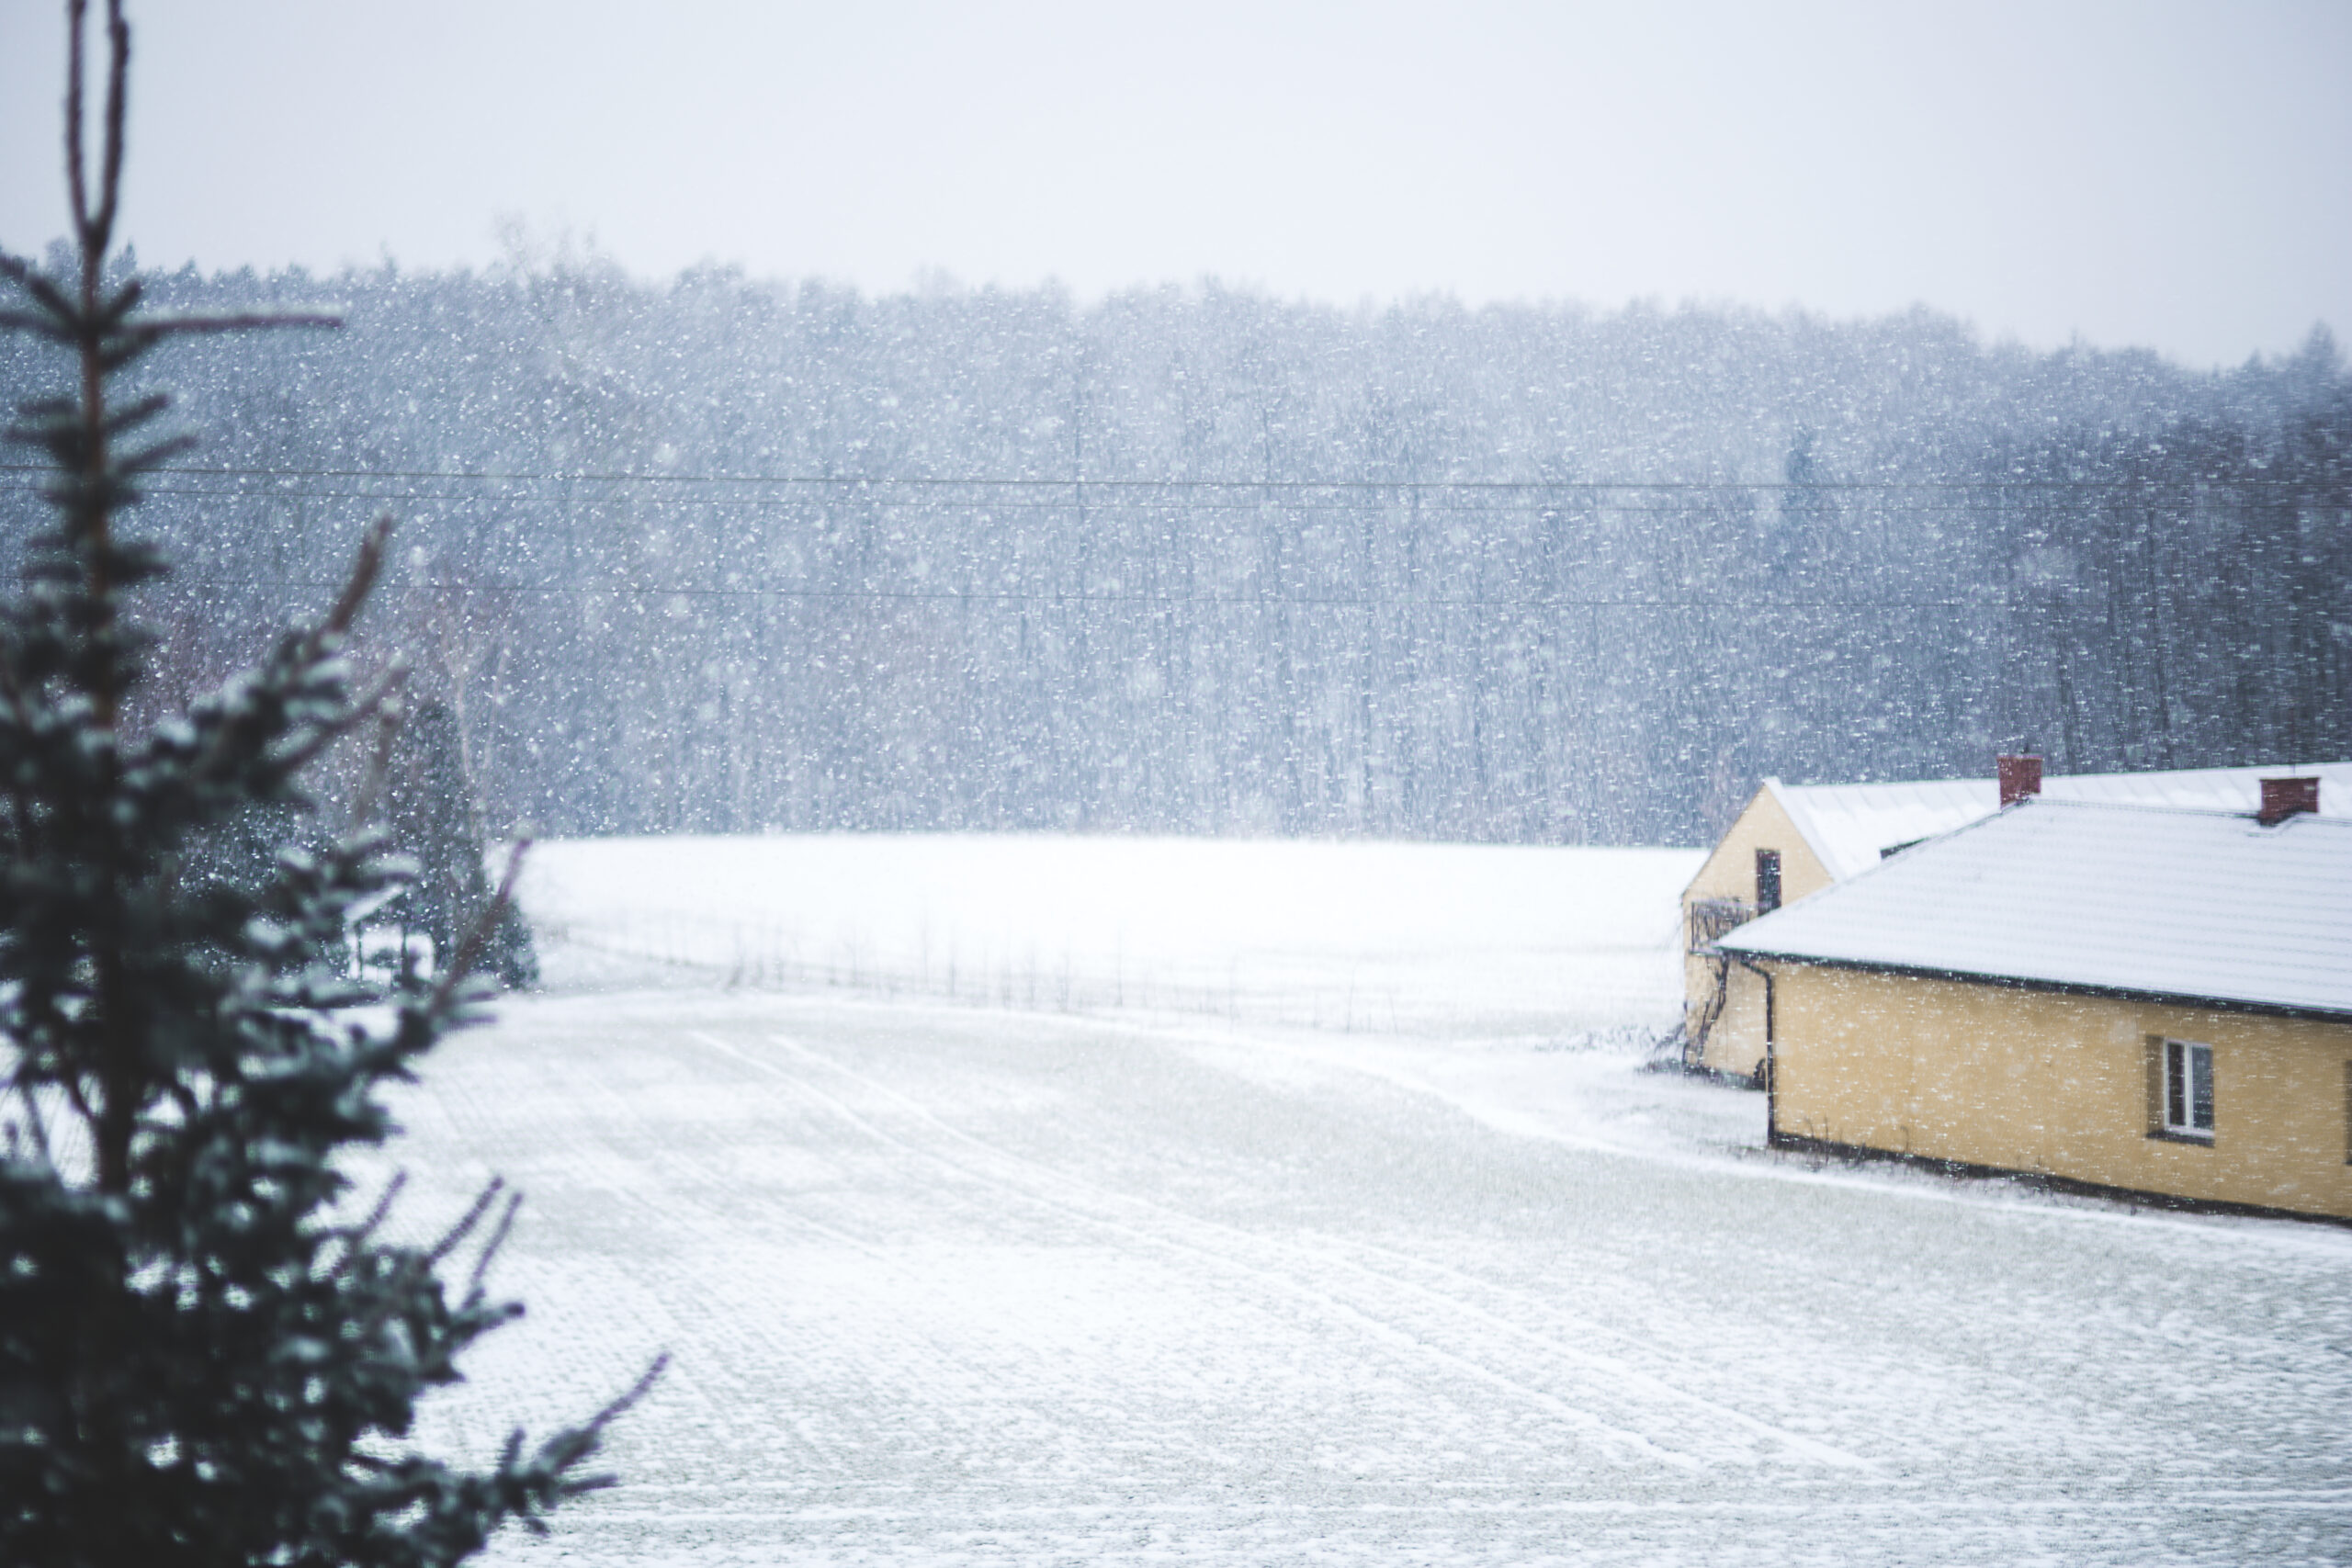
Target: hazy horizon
[(2123, 176)]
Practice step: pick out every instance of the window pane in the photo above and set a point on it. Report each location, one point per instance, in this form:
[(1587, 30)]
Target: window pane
[(2200, 1067), (2175, 1091)]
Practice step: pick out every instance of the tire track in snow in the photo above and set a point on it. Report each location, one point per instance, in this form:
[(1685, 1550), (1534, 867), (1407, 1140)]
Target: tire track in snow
[(884, 1472), (1794, 1445), (724, 1349), (1371, 1325), (1224, 1246)]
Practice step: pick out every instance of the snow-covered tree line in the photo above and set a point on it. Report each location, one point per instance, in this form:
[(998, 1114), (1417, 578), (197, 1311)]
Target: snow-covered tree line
[(715, 555)]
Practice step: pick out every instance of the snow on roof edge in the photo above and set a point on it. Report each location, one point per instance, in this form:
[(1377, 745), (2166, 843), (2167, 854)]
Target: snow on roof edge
[(1846, 850), (2064, 988), (1836, 901)]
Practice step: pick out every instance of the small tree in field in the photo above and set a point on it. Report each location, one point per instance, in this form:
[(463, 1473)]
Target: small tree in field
[(430, 809), (204, 1358)]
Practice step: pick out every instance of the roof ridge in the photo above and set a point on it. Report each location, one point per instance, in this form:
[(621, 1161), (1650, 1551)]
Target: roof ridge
[(1885, 860), (2177, 902), (2161, 808), (1800, 816), (2283, 770)]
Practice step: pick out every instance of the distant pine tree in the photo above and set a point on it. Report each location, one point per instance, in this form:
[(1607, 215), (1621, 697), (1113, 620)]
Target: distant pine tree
[(433, 819), (204, 1359), (1793, 538)]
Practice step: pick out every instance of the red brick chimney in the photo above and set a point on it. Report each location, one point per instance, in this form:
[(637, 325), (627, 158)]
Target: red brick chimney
[(2282, 798), (2021, 776)]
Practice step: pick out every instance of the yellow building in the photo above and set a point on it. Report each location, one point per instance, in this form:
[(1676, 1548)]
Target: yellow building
[(1792, 841), (2131, 999)]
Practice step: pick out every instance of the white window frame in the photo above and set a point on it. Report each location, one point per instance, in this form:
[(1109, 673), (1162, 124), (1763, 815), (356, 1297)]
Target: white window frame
[(2188, 1066)]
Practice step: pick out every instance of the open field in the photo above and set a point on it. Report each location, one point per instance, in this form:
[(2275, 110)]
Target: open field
[(1378, 937), (974, 1280)]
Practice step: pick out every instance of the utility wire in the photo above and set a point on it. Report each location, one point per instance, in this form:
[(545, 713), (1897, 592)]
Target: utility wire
[(860, 482), (1077, 488), (951, 595), (1081, 495)]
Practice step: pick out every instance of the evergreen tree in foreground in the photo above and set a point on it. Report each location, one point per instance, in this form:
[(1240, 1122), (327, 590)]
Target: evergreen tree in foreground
[(204, 1356)]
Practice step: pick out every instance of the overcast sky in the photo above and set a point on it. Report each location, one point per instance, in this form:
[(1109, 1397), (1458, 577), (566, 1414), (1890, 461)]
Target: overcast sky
[(2154, 173)]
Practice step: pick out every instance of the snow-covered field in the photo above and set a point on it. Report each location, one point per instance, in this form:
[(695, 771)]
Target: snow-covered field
[(1359, 936), (1190, 1258)]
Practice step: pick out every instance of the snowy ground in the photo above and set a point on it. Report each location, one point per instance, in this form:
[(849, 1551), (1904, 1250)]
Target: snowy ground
[(1354, 937), (1255, 1277)]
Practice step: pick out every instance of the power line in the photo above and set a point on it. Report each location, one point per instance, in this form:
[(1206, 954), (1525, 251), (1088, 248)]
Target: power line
[(1017, 482), (950, 595), (996, 505)]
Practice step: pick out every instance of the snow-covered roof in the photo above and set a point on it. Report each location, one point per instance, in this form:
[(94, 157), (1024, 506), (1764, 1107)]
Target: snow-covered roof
[(1848, 824), (2200, 905)]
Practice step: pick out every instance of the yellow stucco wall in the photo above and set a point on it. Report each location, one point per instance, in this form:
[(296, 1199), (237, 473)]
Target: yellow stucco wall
[(1735, 1044), (2063, 1086)]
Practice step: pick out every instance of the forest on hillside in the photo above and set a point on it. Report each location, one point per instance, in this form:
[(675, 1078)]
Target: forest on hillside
[(718, 555)]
